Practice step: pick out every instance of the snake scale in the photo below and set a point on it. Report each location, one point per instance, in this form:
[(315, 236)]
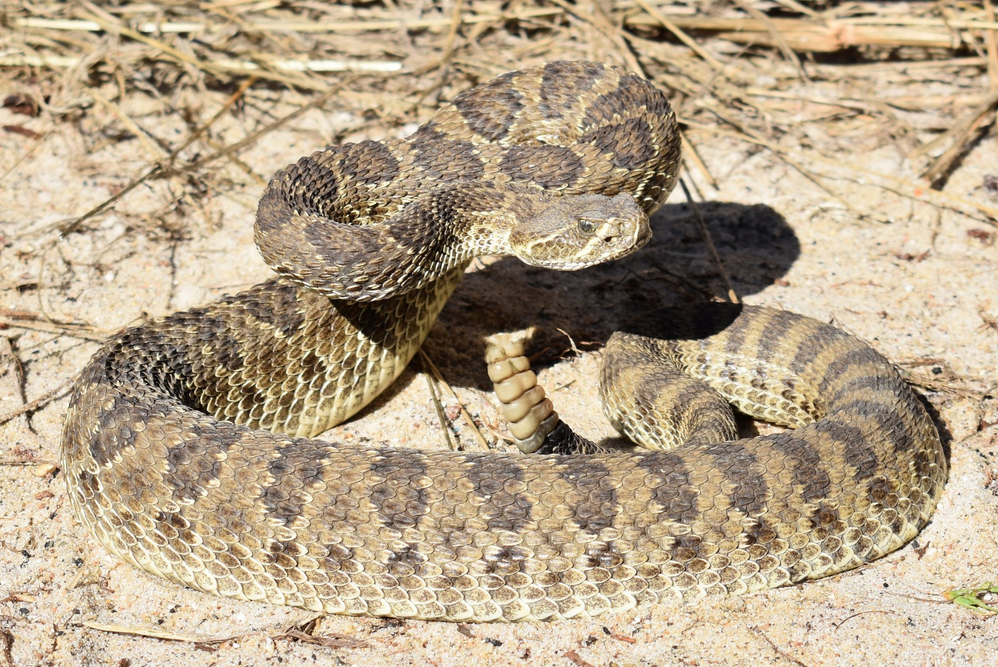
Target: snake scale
[(188, 445)]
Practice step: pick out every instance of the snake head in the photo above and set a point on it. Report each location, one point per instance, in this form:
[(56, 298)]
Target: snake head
[(577, 231)]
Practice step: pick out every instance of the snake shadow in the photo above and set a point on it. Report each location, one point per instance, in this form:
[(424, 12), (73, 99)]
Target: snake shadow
[(583, 308)]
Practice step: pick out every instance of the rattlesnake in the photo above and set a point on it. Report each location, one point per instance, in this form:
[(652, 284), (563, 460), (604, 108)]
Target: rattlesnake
[(187, 446)]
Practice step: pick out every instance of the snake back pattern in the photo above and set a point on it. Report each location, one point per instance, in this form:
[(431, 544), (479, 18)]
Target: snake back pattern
[(188, 447)]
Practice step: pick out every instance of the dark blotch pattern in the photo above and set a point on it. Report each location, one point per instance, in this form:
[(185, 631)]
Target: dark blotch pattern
[(564, 84), (674, 495), (596, 505), (735, 334), (320, 182), (548, 166), (490, 478), (446, 160), (809, 348), (279, 309), (620, 141), (772, 341), (842, 368), (646, 390), (295, 470), (369, 162), (890, 426), (223, 344), (193, 464), (491, 114), (398, 501), (748, 490), (113, 431), (632, 93), (855, 446), (805, 464)]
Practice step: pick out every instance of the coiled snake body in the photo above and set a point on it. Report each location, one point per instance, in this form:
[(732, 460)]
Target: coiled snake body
[(187, 446)]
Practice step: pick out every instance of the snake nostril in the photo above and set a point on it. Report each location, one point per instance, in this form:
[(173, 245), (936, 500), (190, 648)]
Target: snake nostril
[(610, 233)]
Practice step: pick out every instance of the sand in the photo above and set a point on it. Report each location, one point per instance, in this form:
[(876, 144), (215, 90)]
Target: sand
[(922, 288)]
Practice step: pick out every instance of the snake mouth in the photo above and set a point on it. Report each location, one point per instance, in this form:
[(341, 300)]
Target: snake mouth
[(643, 236)]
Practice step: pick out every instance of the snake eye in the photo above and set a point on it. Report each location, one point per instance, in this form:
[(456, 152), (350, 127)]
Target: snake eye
[(587, 226)]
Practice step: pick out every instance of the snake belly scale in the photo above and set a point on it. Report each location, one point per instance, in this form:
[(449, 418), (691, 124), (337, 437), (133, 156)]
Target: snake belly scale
[(188, 447)]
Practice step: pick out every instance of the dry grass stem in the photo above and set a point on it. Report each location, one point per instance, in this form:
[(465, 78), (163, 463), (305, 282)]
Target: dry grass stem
[(450, 390), (39, 402), (705, 234), (690, 153), (441, 416), (671, 26), (166, 168), (991, 38), (335, 641), (156, 633), (778, 38), (911, 189)]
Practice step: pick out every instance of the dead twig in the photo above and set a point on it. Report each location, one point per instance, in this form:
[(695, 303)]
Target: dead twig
[(7, 637), (306, 633), (33, 405), (839, 625), (251, 138), (958, 136), (780, 652), (705, 234), (574, 657)]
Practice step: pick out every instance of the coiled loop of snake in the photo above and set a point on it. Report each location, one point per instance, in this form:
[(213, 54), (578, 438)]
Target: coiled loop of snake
[(188, 445)]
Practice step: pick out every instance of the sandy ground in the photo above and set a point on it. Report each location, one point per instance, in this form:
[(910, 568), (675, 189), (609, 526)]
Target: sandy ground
[(922, 289)]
